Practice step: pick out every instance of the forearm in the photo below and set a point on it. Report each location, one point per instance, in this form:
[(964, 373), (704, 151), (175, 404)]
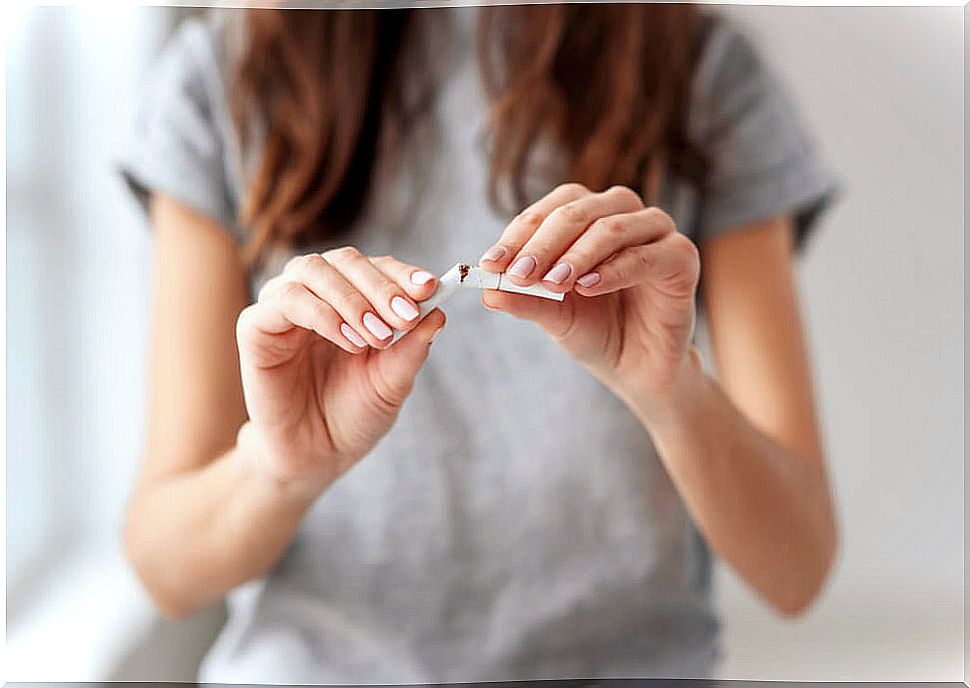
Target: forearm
[(764, 509), (194, 536)]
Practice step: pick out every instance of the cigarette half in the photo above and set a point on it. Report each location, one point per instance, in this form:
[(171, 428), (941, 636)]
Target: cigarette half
[(477, 279)]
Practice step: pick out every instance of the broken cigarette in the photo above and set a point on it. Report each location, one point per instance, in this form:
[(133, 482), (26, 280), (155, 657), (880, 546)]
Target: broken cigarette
[(464, 275), (475, 278)]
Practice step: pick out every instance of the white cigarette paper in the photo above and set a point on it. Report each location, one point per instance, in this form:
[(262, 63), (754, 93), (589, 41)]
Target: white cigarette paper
[(478, 279), (463, 275)]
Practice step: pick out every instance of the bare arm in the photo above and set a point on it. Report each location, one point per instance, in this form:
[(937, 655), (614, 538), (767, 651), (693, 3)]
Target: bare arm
[(748, 461), (200, 520), (256, 409)]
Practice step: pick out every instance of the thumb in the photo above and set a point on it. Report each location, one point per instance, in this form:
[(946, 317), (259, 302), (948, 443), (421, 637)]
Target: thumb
[(552, 316), (396, 366)]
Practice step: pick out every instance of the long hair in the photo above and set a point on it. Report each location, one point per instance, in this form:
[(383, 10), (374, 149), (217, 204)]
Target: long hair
[(608, 85)]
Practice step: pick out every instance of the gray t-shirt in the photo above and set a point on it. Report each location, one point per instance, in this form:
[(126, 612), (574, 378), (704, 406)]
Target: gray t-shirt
[(516, 522)]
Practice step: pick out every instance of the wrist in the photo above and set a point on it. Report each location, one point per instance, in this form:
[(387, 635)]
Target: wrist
[(673, 403), (257, 468)]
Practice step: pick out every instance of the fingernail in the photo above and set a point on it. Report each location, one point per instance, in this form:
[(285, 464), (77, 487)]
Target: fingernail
[(522, 267), (589, 279), (495, 253), (558, 273), (403, 308), (421, 277), (351, 335), (376, 326)]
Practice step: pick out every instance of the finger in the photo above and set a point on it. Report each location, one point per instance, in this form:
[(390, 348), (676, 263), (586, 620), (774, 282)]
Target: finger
[(551, 316), (270, 286), (564, 225), (295, 306), (329, 284), (605, 237), (523, 226), (417, 282), (397, 366), (389, 299), (671, 263)]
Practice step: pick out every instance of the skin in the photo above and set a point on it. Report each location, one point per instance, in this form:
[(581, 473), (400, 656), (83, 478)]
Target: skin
[(290, 392)]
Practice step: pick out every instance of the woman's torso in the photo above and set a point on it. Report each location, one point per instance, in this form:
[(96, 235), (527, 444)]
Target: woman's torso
[(516, 522)]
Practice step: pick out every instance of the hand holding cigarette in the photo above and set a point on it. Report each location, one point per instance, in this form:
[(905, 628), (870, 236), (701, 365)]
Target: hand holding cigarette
[(631, 274), (321, 385)]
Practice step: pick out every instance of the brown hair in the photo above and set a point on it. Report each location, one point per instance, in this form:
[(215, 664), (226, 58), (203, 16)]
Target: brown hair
[(608, 84)]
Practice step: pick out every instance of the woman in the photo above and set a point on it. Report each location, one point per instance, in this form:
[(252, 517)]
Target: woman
[(534, 496)]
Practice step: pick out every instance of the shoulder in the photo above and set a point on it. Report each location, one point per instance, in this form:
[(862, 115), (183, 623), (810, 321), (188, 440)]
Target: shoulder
[(196, 58), (763, 159), (182, 139), (730, 75), (728, 55)]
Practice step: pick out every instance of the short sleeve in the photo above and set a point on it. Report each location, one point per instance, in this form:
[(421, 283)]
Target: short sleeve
[(177, 142), (763, 162)]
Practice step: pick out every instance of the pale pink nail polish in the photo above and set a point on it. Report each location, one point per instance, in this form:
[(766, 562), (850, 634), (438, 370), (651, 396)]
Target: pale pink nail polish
[(376, 326), (522, 267), (354, 338), (421, 277), (495, 253), (403, 308), (589, 279), (558, 274)]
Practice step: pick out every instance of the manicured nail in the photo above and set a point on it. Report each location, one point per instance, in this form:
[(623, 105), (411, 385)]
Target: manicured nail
[(421, 277), (352, 336), (558, 273), (404, 308), (495, 253), (376, 326), (522, 267), (589, 279)]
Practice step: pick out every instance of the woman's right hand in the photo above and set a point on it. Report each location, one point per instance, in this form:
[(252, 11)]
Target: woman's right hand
[(320, 387)]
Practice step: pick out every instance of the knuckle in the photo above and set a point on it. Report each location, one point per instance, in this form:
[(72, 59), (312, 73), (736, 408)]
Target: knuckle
[(310, 264), (571, 213), (624, 193), (387, 289), (660, 217), (687, 251), (322, 312), (342, 254), (611, 226), (349, 299), (290, 291), (293, 264), (530, 218), (244, 322), (581, 259), (572, 188), (268, 288)]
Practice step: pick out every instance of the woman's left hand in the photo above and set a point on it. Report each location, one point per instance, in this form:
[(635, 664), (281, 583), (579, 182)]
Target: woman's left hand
[(629, 276)]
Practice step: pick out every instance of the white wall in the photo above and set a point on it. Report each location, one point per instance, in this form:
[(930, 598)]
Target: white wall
[(882, 88), (883, 291), (77, 285)]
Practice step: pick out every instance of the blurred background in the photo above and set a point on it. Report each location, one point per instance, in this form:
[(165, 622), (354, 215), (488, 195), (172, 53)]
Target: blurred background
[(882, 88)]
